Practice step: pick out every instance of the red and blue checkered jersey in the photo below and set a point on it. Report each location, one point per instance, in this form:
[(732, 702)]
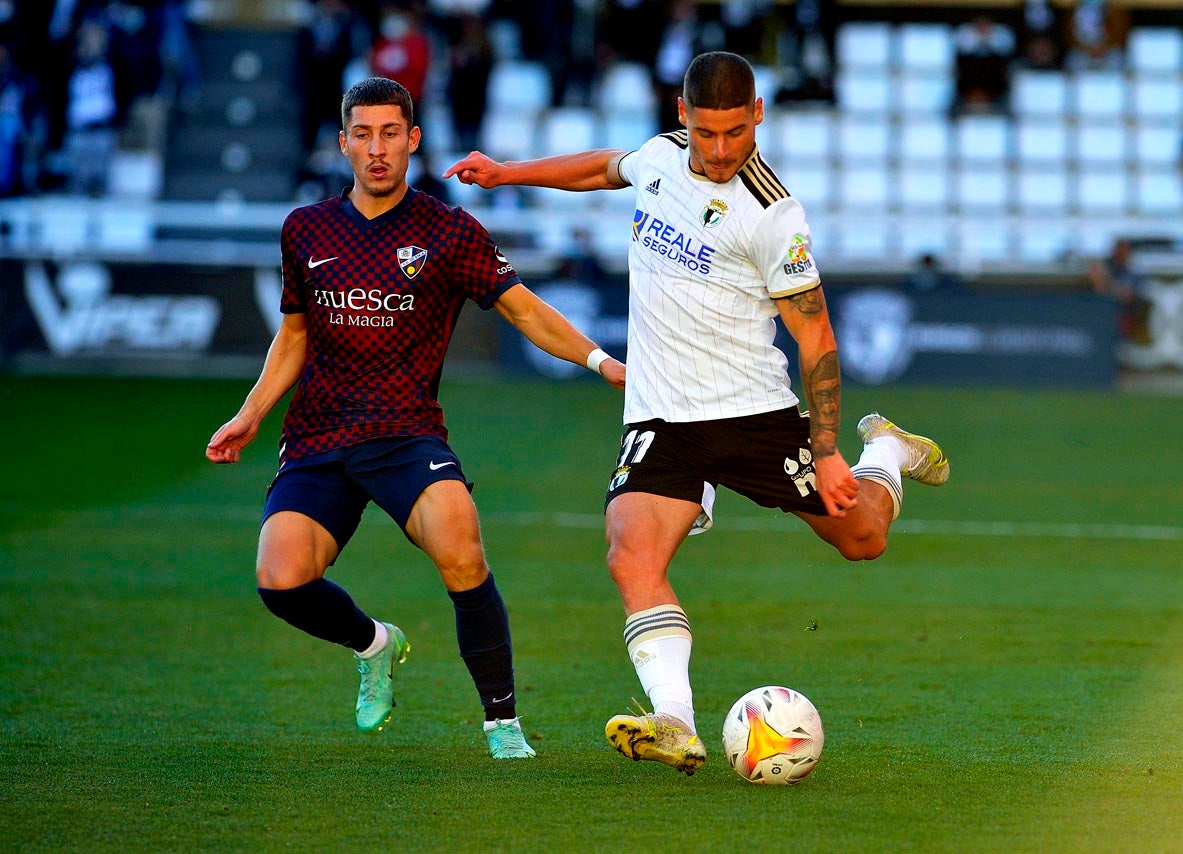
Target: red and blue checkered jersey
[(381, 298)]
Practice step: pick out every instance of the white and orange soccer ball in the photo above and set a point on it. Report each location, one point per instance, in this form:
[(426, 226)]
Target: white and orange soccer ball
[(773, 736)]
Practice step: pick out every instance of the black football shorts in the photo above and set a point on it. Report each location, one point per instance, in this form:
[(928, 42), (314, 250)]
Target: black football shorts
[(764, 457)]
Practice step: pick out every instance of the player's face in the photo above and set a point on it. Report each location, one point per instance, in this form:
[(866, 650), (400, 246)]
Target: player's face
[(378, 143), (721, 141)]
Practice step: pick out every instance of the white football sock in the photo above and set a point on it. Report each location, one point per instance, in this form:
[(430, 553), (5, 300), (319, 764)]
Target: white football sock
[(881, 462), (659, 641), (381, 636)]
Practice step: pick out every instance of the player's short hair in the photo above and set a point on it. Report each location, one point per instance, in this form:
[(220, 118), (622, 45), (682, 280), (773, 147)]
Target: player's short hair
[(377, 92), (719, 80)]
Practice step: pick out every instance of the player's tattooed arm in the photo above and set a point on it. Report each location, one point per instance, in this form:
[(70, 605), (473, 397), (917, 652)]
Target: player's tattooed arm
[(808, 321)]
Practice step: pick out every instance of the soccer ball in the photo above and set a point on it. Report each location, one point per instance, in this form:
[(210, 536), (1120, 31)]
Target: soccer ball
[(773, 735)]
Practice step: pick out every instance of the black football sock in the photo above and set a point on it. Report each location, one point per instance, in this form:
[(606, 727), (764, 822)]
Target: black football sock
[(323, 610), (482, 632)]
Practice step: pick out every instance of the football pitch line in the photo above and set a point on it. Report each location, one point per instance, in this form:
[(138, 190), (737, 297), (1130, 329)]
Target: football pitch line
[(248, 514)]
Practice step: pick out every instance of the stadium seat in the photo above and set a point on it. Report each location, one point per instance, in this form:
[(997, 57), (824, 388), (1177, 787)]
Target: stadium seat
[(1155, 49), (923, 236), (863, 187), (803, 133), (1044, 188), (923, 92), (1158, 98), (812, 184), (127, 228), (982, 240), (865, 43), (924, 140), (1103, 143), (1041, 141), (978, 188), (767, 83), (567, 129), (1039, 93), (1157, 145), (864, 239), (923, 187), (862, 90), (519, 86), (1041, 243), (1102, 191), (1099, 94), (1159, 192), (983, 138), (626, 86), (926, 46), (509, 135), (863, 139), (628, 130)]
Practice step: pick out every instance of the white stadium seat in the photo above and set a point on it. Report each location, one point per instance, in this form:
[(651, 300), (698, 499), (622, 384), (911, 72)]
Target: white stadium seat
[(863, 187), (1155, 49), (1044, 188), (863, 139), (923, 187), (812, 184), (922, 92), (566, 130), (1039, 93), (864, 44), (863, 91), (1102, 191), (982, 188), (1157, 145), (1155, 98), (983, 138), (1159, 192), (627, 86), (1099, 94), (519, 85), (1103, 143), (924, 140), (806, 134), (1042, 141), (926, 46)]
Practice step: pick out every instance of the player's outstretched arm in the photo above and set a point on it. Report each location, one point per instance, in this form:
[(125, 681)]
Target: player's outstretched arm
[(550, 331), (587, 170), (281, 370), (808, 321)]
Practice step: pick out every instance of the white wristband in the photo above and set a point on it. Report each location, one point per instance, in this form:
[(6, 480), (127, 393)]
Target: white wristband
[(596, 358)]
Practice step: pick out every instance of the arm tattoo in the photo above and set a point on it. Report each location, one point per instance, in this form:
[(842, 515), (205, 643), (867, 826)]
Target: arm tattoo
[(809, 302), (823, 387)]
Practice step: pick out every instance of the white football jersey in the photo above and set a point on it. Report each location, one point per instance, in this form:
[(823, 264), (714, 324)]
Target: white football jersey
[(705, 262)]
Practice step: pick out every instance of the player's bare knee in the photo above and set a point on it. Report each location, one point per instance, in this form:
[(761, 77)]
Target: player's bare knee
[(866, 547)]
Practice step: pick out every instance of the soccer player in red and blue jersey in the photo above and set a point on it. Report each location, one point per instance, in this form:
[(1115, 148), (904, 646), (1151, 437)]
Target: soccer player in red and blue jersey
[(373, 282)]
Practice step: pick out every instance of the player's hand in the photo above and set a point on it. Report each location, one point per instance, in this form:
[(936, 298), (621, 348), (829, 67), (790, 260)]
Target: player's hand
[(477, 169), (229, 440), (613, 372), (836, 485)]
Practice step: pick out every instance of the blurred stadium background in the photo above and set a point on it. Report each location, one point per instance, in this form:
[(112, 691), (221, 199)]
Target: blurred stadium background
[(992, 185)]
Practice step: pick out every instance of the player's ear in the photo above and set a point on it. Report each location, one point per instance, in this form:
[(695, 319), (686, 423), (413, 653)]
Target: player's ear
[(758, 112), (682, 111), (415, 136), (341, 142)]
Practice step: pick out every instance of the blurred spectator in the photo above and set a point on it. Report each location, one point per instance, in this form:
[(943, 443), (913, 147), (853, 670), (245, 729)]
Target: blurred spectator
[(806, 53), (1041, 40), (326, 43), (181, 74), (91, 113), (930, 276), (134, 53), (470, 64), (625, 31), (402, 50), (985, 49), (681, 40), (1118, 277), (427, 179), (13, 125), (1099, 32), (745, 27)]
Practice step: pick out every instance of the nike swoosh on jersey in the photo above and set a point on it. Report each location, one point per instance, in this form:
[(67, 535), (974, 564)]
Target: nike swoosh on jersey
[(434, 466), (312, 265)]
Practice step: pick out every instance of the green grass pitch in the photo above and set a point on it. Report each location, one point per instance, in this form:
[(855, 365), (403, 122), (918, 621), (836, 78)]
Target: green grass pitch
[(1009, 677)]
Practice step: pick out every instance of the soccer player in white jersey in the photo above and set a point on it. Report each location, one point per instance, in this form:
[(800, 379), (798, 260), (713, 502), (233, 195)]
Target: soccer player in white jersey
[(719, 250)]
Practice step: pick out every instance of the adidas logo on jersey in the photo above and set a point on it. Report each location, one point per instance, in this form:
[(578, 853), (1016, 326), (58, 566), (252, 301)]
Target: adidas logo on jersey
[(655, 187)]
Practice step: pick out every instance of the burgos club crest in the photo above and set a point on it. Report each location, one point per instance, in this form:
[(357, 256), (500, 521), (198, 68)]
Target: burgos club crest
[(411, 260), (713, 213)]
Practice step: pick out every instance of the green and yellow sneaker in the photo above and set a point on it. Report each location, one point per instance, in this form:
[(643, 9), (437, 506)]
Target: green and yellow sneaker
[(660, 738), (506, 739), (375, 697)]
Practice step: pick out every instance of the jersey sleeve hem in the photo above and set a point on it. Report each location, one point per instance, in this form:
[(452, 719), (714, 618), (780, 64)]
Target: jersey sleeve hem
[(487, 301), (793, 291)]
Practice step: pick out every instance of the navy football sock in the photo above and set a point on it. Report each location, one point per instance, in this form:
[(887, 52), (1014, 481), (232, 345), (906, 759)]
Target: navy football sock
[(482, 632), (323, 610)]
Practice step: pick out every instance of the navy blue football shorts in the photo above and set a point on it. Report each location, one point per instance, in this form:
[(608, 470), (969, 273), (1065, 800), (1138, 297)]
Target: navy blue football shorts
[(334, 487), (764, 457)]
